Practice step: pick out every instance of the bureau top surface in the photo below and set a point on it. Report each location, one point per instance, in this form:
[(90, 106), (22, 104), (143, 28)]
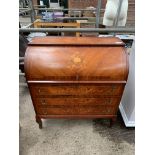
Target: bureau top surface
[(76, 41), (52, 58)]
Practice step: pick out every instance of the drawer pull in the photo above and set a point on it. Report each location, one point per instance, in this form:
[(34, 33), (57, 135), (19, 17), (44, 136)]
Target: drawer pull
[(108, 110), (108, 101), (43, 102), (44, 112)]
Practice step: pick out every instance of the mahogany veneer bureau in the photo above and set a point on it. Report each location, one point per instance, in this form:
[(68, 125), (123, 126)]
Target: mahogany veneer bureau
[(76, 77)]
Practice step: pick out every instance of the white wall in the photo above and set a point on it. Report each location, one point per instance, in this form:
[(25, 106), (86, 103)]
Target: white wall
[(127, 105)]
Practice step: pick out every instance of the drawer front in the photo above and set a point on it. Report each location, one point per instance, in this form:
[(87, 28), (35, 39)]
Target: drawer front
[(76, 101), (76, 110), (77, 90)]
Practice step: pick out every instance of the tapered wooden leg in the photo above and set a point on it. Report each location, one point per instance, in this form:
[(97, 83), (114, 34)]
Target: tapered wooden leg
[(38, 120), (112, 120)]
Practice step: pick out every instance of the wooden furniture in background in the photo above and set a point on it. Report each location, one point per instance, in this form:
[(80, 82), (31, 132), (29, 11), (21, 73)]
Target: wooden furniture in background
[(38, 23), (76, 77)]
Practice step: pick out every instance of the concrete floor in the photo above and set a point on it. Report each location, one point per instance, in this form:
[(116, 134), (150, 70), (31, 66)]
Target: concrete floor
[(71, 137)]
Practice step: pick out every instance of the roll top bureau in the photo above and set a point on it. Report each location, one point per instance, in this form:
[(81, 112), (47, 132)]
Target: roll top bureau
[(76, 77)]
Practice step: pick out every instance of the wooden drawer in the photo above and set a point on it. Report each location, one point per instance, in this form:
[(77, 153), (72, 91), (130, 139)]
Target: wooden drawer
[(76, 110), (76, 101), (44, 89)]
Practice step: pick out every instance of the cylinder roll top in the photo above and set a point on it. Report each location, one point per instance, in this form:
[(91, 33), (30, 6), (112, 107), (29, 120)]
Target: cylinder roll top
[(76, 59)]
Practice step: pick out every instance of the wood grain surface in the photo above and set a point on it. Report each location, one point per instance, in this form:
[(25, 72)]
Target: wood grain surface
[(76, 77)]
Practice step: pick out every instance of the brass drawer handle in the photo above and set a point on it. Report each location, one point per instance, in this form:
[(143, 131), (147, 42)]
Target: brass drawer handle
[(108, 110), (43, 102), (44, 112), (108, 101)]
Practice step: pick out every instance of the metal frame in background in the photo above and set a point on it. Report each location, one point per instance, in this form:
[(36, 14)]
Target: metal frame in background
[(24, 11), (32, 13), (29, 9), (99, 5), (98, 11), (91, 30), (60, 9)]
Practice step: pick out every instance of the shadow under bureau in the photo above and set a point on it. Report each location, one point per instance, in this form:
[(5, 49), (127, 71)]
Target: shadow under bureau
[(76, 77)]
